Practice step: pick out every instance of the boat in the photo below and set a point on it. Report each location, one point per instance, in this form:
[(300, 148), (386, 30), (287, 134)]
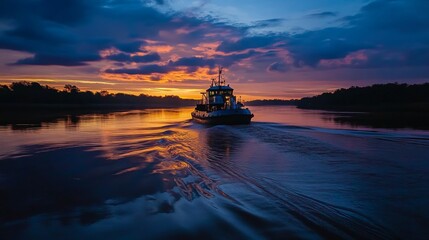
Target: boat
[(218, 105)]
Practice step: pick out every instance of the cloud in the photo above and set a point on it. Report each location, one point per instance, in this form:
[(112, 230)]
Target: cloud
[(247, 43), (194, 62), (151, 57), (395, 32), (144, 70), (49, 28), (325, 14), (66, 12), (155, 77), (230, 59), (309, 48), (63, 60), (277, 67), (268, 23), (393, 16), (122, 57), (131, 47)]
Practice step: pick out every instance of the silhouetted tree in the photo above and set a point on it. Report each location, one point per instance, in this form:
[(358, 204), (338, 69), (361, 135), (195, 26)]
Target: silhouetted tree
[(71, 88), (104, 93)]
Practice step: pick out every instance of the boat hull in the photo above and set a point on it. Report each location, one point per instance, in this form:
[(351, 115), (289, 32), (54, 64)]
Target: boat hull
[(229, 117)]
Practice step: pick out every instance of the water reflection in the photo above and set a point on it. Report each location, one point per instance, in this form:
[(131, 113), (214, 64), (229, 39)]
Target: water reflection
[(279, 114), (383, 120), (59, 182), (221, 143), (103, 174), (36, 121), (344, 120)]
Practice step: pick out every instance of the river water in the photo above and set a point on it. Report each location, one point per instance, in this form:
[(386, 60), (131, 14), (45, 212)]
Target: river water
[(154, 174)]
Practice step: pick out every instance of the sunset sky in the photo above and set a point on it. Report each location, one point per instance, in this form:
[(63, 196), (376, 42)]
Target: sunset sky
[(270, 49)]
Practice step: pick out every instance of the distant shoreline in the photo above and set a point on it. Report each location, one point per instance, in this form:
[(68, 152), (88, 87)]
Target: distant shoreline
[(391, 97), (101, 106)]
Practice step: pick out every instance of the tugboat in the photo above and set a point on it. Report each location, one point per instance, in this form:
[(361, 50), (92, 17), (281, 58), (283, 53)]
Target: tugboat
[(219, 106)]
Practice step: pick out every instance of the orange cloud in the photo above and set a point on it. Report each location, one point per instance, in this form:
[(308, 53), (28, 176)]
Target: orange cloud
[(159, 48), (180, 82)]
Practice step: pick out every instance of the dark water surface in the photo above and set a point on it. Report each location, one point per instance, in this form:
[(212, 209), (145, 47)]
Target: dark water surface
[(154, 174)]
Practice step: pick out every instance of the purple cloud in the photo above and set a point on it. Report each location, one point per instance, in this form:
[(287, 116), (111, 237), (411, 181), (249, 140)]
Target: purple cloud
[(123, 57)]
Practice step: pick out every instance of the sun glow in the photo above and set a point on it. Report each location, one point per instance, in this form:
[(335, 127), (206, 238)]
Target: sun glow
[(181, 74)]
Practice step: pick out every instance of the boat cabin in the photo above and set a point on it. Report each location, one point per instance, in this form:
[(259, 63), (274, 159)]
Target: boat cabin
[(219, 96)]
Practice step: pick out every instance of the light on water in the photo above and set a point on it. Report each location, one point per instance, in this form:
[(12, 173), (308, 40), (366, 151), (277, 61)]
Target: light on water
[(155, 174)]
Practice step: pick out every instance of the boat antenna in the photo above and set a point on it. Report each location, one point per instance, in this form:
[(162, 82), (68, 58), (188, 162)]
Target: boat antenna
[(220, 72)]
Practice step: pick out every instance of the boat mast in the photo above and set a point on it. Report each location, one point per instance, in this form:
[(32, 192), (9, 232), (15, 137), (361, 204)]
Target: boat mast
[(220, 72)]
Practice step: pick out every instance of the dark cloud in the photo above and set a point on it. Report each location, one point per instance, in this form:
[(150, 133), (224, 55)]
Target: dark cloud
[(230, 59), (122, 57), (48, 34), (325, 14), (310, 47), (49, 28), (151, 57), (65, 12), (247, 43), (46, 29), (130, 47), (277, 67), (268, 23), (194, 62), (36, 37), (392, 32), (68, 12), (64, 60), (223, 60), (397, 16)]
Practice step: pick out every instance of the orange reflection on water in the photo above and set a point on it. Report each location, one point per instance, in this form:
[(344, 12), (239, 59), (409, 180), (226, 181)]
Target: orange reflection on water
[(171, 167)]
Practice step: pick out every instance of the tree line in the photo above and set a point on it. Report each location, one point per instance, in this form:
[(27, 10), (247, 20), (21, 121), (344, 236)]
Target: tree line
[(378, 97), (30, 93)]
